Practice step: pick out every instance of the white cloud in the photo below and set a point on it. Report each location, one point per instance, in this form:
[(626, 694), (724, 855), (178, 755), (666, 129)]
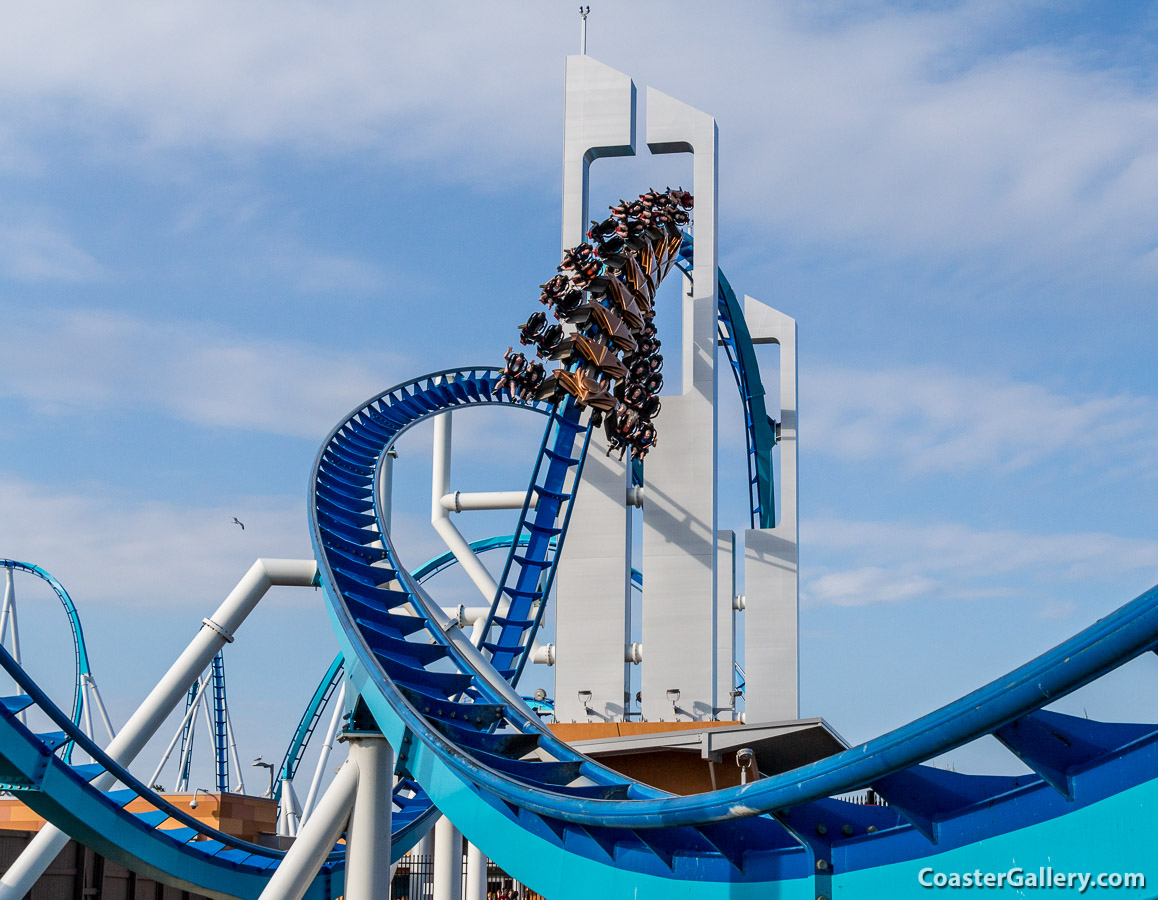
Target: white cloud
[(81, 362), (127, 553), (931, 420), (895, 561), (904, 132), (34, 252)]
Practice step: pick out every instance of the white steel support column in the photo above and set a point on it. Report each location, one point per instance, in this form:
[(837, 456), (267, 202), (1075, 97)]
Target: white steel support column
[(680, 510), (368, 841), (440, 516), (162, 700), (315, 839), (593, 582), (8, 620), (324, 754), (447, 861), (9, 599), (771, 555), (476, 874)]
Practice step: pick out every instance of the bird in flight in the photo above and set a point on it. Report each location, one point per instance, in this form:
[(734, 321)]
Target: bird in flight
[(237, 521)]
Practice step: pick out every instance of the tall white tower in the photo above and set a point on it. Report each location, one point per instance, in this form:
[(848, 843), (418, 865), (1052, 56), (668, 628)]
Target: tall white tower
[(688, 564)]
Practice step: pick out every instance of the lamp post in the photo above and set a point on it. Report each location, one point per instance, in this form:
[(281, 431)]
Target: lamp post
[(264, 765)]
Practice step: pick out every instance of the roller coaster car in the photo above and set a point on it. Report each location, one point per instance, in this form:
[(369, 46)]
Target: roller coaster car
[(585, 274), (633, 394), (579, 315), (602, 357), (576, 257), (528, 384), (625, 304), (614, 328), (586, 390), (629, 229), (650, 408), (529, 330), (516, 363), (638, 284), (553, 289), (568, 303), (643, 440), (601, 231), (550, 390), (649, 346), (615, 261), (611, 243), (617, 427), (549, 339)]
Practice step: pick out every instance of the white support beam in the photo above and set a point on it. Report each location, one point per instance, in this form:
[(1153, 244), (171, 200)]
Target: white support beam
[(680, 517), (440, 517), (772, 555), (215, 632), (315, 839), (462, 501), (476, 873), (593, 580), (447, 861), (368, 841)]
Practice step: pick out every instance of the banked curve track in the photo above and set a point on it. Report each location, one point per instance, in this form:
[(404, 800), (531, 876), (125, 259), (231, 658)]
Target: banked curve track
[(567, 826), (165, 842)]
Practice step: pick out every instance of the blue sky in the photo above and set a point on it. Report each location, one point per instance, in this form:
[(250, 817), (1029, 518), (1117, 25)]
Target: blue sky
[(222, 226)]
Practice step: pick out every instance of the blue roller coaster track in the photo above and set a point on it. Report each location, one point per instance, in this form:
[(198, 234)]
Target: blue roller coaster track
[(567, 826), (81, 668)]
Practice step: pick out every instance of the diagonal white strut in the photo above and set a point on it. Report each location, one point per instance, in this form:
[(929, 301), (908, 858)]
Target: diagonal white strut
[(162, 700)]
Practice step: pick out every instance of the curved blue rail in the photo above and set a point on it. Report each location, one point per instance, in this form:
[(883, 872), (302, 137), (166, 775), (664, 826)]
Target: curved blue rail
[(166, 842), (80, 651), (759, 428), (521, 795)]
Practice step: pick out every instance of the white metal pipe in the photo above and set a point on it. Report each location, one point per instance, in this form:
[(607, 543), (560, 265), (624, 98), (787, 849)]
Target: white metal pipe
[(287, 810), (233, 752), (476, 873), (100, 705), (447, 861), (324, 755), (86, 705), (461, 501), (195, 707), (386, 486), (316, 839), (162, 700), (440, 518), (368, 839), (23, 716), (211, 729), (9, 599), (189, 713)]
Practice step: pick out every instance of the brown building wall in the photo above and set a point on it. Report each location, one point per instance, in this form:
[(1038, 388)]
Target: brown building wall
[(236, 814), (80, 874)]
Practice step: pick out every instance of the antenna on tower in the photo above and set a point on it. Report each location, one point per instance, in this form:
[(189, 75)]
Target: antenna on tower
[(584, 12)]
